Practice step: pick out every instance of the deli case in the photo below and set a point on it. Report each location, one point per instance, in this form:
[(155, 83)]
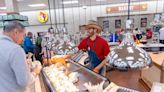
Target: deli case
[(76, 78), (84, 75)]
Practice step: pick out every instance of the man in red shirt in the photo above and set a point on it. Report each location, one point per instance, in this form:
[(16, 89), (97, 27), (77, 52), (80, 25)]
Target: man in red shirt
[(96, 46)]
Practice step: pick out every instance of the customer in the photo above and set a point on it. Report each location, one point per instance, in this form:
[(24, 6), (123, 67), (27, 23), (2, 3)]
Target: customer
[(120, 34), (28, 45), (15, 75), (113, 37), (149, 35), (38, 47), (96, 46), (137, 34), (161, 35)]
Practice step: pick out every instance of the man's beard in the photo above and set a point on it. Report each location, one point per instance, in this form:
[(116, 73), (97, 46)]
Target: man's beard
[(91, 34)]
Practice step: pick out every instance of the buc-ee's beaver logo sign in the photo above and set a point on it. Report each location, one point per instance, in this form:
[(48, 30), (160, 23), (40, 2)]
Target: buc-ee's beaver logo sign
[(42, 16)]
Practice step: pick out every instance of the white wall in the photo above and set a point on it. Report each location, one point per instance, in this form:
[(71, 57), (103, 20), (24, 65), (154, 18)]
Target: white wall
[(76, 16)]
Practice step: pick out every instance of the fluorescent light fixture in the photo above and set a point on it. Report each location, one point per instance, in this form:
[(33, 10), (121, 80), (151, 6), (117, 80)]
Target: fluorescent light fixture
[(36, 5), (20, 0), (3, 8), (84, 7), (70, 2), (100, 0)]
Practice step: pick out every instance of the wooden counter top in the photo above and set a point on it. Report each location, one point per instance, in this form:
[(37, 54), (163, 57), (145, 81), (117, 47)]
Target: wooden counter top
[(156, 72), (157, 58)]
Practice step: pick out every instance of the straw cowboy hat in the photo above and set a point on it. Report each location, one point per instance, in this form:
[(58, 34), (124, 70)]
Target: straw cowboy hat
[(94, 24)]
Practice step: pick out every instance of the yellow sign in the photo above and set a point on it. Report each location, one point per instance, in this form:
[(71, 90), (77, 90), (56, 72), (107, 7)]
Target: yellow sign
[(42, 16)]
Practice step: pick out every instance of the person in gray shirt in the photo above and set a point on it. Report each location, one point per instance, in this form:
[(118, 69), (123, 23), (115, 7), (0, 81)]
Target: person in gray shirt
[(15, 74)]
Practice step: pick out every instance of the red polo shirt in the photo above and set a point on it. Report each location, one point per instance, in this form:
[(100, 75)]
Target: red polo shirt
[(101, 46)]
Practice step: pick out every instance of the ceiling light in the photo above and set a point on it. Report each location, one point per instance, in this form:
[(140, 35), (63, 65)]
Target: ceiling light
[(3, 8), (20, 0), (70, 2), (84, 7), (100, 0), (36, 5)]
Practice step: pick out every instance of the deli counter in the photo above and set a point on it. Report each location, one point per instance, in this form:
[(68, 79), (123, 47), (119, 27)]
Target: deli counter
[(74, 78), (84, 75)]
